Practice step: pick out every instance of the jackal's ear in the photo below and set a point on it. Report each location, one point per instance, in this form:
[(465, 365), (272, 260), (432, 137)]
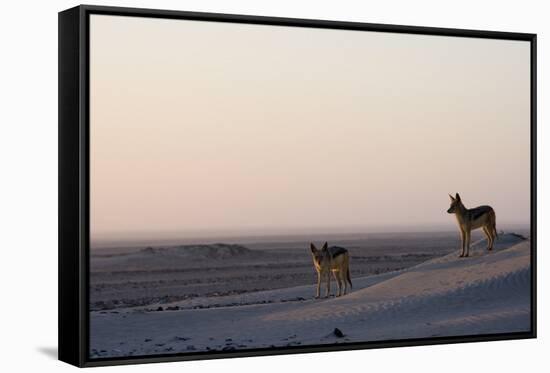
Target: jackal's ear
[(452, 198), (458, 196), (312, 247), (325, 246)]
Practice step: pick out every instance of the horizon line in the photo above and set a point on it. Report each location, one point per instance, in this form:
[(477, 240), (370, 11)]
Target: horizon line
[(213, 235)]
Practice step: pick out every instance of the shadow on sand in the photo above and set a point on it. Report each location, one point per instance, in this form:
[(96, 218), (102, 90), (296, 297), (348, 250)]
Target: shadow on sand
[(50, 352)]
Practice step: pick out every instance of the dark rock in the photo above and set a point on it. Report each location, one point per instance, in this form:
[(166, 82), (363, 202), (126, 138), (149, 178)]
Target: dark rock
[(338, 333)]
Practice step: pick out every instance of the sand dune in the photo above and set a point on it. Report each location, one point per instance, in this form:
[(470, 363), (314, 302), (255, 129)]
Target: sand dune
[(444, 280), (212, 275), (486, 293)]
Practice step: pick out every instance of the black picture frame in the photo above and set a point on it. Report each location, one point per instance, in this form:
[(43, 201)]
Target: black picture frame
[(74, 174)]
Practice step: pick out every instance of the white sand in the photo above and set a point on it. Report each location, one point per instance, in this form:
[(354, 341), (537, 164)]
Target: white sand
[(488, 292)]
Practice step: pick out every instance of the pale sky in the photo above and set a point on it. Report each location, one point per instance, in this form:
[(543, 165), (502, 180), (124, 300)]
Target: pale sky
[(214, 127)]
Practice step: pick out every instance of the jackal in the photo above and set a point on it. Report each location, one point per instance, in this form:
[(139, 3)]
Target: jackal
[(470, 219), (333, 260)]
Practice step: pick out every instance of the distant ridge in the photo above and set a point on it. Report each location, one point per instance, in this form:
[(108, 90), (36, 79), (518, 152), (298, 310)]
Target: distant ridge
[(212, 251)]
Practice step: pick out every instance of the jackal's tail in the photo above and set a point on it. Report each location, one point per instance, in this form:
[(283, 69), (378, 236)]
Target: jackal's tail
[(348, 277), (495, 224)]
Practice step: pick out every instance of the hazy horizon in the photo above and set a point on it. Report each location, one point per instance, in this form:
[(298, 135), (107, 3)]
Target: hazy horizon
[(316, 235), (216, 127)]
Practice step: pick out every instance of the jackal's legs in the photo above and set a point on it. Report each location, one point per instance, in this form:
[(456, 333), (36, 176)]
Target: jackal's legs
[(343, 276), (489, 236), (318, 285), (338, 279), (463, 239), (468, 238), (328, 284)]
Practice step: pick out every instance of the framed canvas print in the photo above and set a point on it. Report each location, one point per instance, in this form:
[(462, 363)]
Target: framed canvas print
[(238, 185)]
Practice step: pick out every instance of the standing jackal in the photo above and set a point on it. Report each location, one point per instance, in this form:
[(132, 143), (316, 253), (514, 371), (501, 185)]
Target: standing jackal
[(333, 260), (470, 219)]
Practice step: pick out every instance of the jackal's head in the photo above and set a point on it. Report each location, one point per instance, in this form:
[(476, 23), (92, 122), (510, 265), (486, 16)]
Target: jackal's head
[(455, 202), (318, 255)]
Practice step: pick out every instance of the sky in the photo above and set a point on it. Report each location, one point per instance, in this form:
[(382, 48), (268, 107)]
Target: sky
[(204, 128)]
